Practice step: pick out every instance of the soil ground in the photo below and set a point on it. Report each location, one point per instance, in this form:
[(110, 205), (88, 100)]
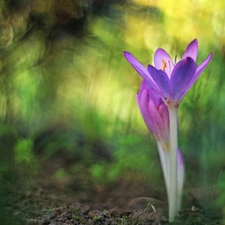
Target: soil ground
[(72, 201)]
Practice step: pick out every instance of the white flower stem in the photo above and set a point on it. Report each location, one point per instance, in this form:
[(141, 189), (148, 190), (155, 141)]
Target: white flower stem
[(165, 166), (173, 183)]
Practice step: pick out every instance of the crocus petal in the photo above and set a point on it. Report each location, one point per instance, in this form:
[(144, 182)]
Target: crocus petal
[(163, 111), (142, 99), (154, 95), (144, 85), (181, 76), (149, 113), (154, 113), (162, 61), (199, 70), (191, 50), (140, 69), (202, 65), (155, 116), (161, 79)]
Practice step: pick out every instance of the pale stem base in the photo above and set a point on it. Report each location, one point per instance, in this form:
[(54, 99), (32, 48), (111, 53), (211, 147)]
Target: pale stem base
[(173, 183)]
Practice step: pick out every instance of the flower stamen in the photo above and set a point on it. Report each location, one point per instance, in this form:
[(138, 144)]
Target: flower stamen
[(164, 65)]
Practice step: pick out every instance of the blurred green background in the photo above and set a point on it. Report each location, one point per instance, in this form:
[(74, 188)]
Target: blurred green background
[(68, 96)]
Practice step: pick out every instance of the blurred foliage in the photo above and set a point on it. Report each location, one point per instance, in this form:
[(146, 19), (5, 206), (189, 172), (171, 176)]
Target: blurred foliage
[(24, 157), (131, 160), (67, 92)]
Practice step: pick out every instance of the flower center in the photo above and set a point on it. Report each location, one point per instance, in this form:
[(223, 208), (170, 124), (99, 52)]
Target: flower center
[(164, 65)]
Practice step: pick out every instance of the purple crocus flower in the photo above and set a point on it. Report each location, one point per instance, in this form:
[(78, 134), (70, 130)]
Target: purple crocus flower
[(155, 114), (156, 117), (164, 86), (171, 79)]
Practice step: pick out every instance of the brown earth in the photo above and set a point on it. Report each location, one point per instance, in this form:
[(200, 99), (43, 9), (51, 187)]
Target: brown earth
[(54, 201)]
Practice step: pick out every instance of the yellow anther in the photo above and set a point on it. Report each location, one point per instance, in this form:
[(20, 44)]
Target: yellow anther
[(164, 65)]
